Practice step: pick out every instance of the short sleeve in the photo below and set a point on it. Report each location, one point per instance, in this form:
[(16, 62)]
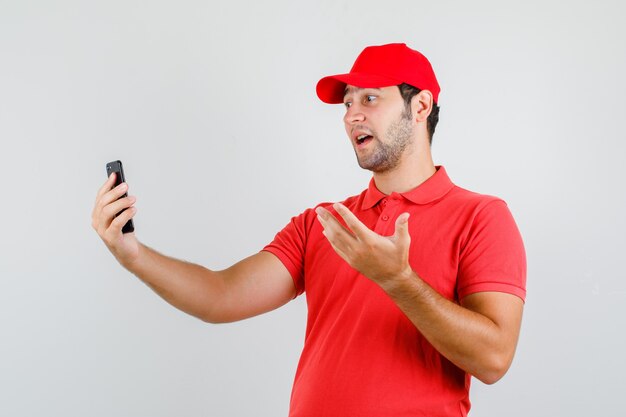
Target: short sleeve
[(493, 256), (289, 246)]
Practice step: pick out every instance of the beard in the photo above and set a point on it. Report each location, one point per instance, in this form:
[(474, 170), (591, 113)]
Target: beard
[(385, 154)]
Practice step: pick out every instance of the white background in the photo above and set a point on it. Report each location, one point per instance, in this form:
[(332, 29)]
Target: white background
[(212, 108)]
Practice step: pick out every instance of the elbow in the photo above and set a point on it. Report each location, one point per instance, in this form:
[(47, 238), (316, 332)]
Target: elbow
[(217, 316), (216, 320), (211, 317), (490, 378), (493, 371)]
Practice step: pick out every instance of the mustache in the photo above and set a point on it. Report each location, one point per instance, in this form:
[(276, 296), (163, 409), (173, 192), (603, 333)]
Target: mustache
[(362, 128)]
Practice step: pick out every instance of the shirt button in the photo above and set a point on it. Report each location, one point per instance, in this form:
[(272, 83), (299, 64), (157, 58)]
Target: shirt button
[(384, 202), (385, 217)]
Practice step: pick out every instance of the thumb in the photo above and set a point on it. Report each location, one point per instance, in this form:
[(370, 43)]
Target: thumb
[(402, 228)]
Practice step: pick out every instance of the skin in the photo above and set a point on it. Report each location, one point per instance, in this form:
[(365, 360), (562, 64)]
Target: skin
[(479, 335), (386, 150)]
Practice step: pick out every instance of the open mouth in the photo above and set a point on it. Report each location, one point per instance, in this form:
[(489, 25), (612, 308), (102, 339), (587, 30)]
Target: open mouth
[(362, 139)]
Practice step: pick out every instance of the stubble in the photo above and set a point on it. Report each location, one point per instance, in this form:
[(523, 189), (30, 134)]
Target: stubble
[(390, 148)]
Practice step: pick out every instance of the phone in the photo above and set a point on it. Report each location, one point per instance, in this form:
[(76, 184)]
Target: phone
[(116, 166)]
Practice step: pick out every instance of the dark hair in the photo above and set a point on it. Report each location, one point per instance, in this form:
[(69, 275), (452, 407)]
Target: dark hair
[(408, 92)]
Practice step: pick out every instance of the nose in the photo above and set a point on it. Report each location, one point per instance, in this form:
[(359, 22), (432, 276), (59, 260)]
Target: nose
[(353, 115)]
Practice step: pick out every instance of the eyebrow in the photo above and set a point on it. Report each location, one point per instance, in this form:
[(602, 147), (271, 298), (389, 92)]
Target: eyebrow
[(348, 89)]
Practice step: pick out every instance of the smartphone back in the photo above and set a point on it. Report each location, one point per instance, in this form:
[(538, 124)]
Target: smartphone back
[(117, 167)]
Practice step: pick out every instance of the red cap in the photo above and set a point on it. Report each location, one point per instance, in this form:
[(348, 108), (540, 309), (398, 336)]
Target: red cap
[(382, 66)]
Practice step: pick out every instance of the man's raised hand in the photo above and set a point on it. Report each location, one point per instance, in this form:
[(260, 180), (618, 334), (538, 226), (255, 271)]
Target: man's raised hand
[(380, 258), (123, 246)]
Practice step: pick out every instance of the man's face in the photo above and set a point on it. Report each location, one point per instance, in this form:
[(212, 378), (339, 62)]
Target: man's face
[(378, 126)]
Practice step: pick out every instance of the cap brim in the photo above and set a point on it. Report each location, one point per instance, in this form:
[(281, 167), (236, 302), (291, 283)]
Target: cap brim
[(331, 89)]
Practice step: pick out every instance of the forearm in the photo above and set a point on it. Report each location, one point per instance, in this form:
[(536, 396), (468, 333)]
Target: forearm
[(467, 338), (189, 287), (252, 286)]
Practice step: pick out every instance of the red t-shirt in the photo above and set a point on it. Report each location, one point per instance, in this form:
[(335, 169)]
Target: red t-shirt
[(362, 357)]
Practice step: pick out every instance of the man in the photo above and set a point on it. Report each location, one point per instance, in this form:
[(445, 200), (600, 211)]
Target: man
[(412, 286)]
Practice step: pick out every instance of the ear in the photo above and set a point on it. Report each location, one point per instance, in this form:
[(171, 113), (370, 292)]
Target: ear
[(422, 105)]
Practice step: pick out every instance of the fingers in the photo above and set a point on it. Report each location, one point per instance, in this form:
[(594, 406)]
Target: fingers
[(333, 230), (401, 234), (112, 209), (111, 212), (108, 205), (359, 229), (106, 195), (108, 184), (118, 223), (113, 194), (102, 217), (330, 222), (339, 251), (108, 226), (112, 235), (402, 224)]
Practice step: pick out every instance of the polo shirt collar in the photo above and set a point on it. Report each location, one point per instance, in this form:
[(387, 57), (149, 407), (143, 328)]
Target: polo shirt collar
[(435, 187)]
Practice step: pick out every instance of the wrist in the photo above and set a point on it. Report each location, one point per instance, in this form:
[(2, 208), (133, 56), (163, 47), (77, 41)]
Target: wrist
[(398, 282), (133, 261)]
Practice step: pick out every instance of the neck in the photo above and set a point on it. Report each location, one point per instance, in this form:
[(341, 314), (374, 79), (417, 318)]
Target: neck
[(410, 173)]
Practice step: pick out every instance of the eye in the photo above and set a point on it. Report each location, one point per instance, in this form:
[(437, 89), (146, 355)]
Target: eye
[(347, 104), (370, 98)]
